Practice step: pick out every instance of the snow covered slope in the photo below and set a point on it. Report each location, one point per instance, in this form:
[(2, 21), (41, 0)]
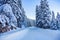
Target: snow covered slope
[(33, 33)]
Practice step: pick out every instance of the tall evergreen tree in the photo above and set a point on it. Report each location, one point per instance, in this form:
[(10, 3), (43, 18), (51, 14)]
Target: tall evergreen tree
[(18, 11), (58, 20), (44, 15), (53, 22), (37, 14)]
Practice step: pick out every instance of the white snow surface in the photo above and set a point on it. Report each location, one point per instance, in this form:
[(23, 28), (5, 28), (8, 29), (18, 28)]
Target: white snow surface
[(32, 33)]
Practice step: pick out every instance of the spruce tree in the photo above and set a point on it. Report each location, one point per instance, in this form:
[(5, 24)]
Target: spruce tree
[(44, 15), (53, 22), (58, 20), (18, 11), (37, 14)]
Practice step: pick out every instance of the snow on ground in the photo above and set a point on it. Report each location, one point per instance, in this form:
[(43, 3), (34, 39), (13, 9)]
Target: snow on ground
[(14, 36), (33, 33), (11, 31)]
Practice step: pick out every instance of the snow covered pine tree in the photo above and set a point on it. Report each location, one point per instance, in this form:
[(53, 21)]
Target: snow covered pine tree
[(53, 22), (58, 21), (43, 15), (18, 11), (5, 9)]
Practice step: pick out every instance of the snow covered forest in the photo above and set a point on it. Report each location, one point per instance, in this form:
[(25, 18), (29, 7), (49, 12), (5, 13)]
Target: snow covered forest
[(12, 16), (14, 19), (45, 18)]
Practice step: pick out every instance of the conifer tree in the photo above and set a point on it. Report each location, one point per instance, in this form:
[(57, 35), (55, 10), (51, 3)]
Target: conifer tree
[(43, 15)]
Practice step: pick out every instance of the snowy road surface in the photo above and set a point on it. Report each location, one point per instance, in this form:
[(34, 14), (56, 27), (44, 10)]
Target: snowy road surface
[(32, 34)]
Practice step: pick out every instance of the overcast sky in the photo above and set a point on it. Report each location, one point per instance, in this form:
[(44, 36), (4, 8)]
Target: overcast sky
[(30, 6)]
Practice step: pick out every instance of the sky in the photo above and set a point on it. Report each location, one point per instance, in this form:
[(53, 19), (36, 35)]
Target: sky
[(30, 7)]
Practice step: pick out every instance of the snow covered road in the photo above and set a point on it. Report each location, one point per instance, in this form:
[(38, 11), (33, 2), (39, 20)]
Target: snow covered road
[(14, 36), (33, 34)]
